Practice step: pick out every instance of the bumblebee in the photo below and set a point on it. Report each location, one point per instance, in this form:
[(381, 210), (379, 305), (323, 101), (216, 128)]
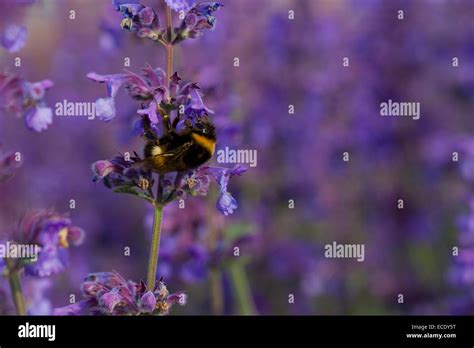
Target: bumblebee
[(180, 151)]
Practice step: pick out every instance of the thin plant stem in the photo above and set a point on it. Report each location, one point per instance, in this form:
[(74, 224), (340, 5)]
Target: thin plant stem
[(155, 246), (217, 291), (169, 46), (242, 289), (215, 276), (158, 205), (15, 287)]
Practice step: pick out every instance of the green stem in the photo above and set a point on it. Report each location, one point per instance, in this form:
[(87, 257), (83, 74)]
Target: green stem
[(15, 287), (155, 246), (169, 46), (158, 205), (217, 300), (242, 289)]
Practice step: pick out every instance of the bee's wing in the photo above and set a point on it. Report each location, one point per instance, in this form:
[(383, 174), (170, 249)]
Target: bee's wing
[(169, 161)]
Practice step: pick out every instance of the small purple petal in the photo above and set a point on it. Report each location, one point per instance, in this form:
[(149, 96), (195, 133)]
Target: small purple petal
[(226, 204), (150, 112), (110, 300), (148, 302), (102, 168), (39, 118), (105, 109)]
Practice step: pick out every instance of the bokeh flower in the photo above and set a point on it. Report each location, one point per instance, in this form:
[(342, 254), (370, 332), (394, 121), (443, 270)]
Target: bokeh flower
[(27, 99), (14, 38), (53, 233)]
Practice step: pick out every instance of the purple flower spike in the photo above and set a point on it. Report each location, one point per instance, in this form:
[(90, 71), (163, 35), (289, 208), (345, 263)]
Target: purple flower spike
[(14, 38)]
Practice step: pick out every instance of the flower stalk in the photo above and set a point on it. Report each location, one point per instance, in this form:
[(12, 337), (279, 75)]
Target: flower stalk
[(169, 45), (15, 287), (242, 289), (158, 205), (155, 245)]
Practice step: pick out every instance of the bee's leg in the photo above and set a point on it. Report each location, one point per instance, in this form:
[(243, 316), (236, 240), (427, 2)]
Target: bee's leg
[(147, 132), (166, 119), (167, 123), (176, 121)]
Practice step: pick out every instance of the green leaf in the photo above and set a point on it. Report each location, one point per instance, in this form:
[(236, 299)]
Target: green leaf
[(134, 191)]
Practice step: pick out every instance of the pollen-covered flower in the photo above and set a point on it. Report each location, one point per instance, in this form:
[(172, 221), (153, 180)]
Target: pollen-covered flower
[(108, 293), (196, 183), (199, 18), (141, 20), (52, 234), (26, 99), (124, 175), (14, 38)]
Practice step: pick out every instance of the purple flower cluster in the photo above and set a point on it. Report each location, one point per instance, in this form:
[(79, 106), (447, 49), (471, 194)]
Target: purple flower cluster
[(196, 183), (198, 19), (26, 99), (108, 293), (122, 175), (144, 21), (184, 105), (53, 233), (151, 90), (141, 20)]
